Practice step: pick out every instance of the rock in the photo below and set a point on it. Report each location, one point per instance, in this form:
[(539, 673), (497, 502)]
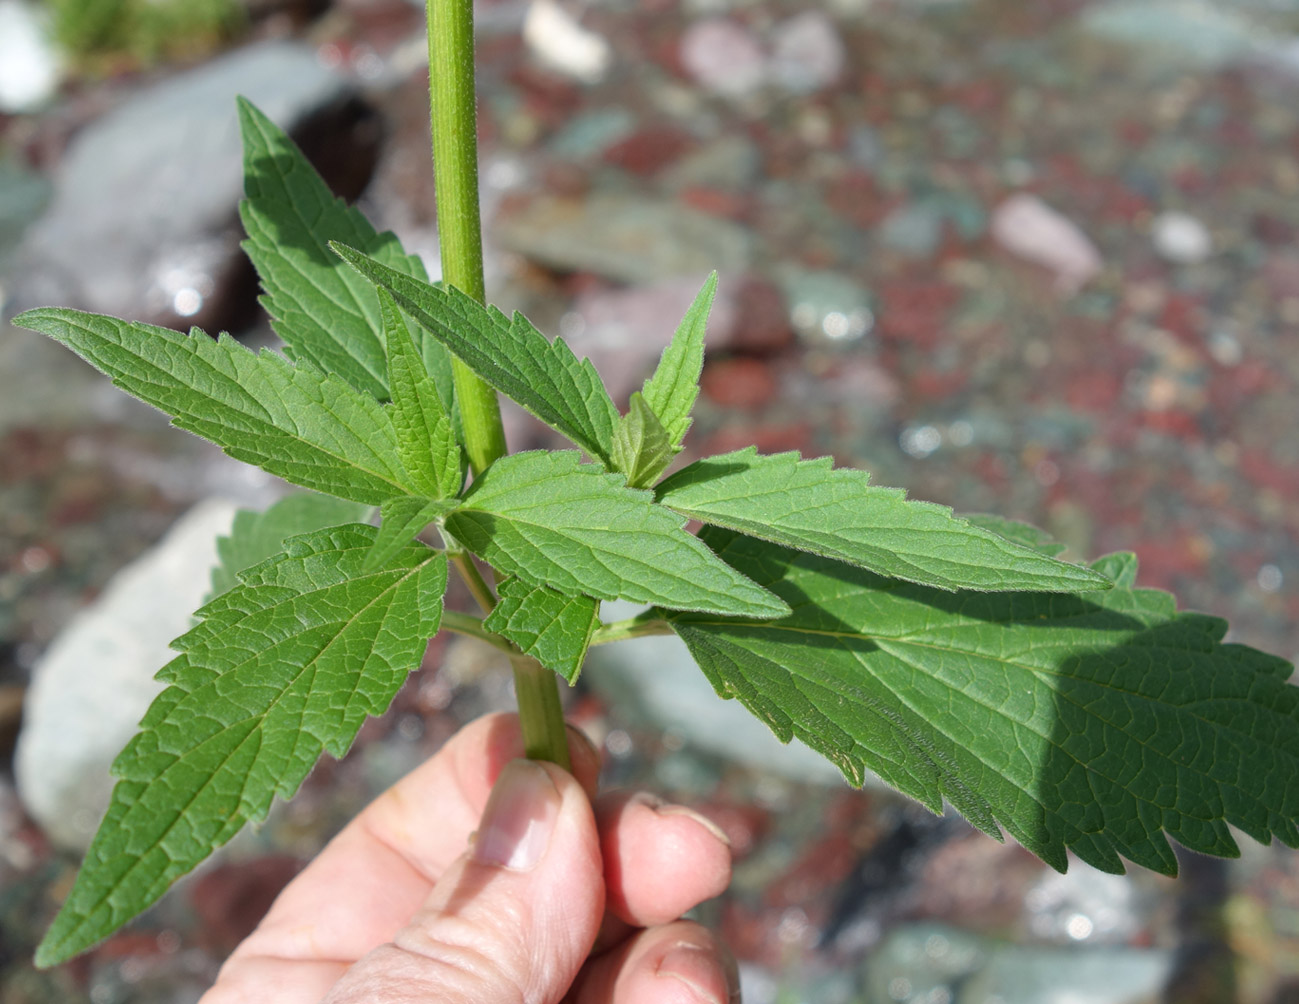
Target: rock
[(554, 36), (95, 682), (739, 383), (1027, 227), (1024, 975), (731, 163), (659, 680), (591, 133), (1200, 33), (914, 229), (29, 67), (724, 57), (23, 196), (808, 55), (1181, 238), (143, 220), (1084, 905), (924, 962), (826, 305), (625, 237)]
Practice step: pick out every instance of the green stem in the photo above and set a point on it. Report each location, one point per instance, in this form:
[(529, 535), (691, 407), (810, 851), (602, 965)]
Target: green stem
[(472, 627), (536, 687), (635, 627), (454, 120), (473, 578)]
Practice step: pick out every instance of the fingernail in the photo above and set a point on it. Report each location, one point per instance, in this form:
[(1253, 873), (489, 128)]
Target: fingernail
[(699, 969), (519, 818), (667, 809)]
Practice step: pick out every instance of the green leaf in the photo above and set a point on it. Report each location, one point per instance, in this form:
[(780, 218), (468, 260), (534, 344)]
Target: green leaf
[(554, 521), (403, 519), (809, 505), (286, 664), (324, 312), (1096, 722), (1024, 534), (552, 628), (672, 390), (641, 448), (255, 536), (425, 440), (509, 353), (307, 427)]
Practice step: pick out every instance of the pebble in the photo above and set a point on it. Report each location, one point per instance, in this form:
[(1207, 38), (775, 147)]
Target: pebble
[(29, 66), (142, 222), (1027, 227), (723, 57), (1181, 238), (624, 236), (93, 685), (808, 54), (1199, 33), (556, 38)]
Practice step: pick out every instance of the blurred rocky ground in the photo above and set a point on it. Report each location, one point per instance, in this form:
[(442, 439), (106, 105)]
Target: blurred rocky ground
[(1034, 257)]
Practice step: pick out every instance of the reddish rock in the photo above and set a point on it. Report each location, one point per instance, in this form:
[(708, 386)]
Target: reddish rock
[(916, 311), (715, 202), (231, 899), (739, 383), (650, 150), (761, 325)]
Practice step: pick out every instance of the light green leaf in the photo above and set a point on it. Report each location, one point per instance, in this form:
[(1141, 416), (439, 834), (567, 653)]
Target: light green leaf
[(425, 441), (402, 520), (1095, 722), (809, 505), (553, 628), (641, 448), (255, 536), (307, 427), (510, 354), (672, 390), (324, 311), (554, 521), (281, 667)]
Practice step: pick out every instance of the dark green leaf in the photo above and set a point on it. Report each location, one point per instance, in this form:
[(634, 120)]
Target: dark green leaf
[(672, 390), (256, 536), (553, 628), (324, 311), (554, 521), (284, 665), (307, 427), (641, 448), (809, 505), (425, 441), (510, 354), (1096, 722)]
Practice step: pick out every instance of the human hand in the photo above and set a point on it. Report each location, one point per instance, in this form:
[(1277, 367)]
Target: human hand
[(552, 898)]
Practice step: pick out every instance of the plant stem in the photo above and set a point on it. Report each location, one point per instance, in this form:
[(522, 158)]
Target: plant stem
[(537, 688), (472, 627), (454, 121), (473, 579), (641, 626)]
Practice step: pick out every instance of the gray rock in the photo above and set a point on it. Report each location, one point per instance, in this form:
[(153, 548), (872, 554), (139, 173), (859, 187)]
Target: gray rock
[(658, 677), (808, 54), (825, 304), (628, 238), (914, 229), (143, 221), (95, 682), (29, 67), (1111, 975), (923, 962), (1199, 33)]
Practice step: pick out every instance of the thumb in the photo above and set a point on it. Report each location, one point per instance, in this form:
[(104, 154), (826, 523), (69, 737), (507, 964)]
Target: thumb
[(513, 919)]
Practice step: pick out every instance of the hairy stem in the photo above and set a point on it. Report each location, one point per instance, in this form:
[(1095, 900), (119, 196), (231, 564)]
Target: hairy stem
[(473, 578), (642, 626), (454, 120)]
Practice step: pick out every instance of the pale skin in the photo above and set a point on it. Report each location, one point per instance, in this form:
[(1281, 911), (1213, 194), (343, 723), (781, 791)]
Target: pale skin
[(550, 893)]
